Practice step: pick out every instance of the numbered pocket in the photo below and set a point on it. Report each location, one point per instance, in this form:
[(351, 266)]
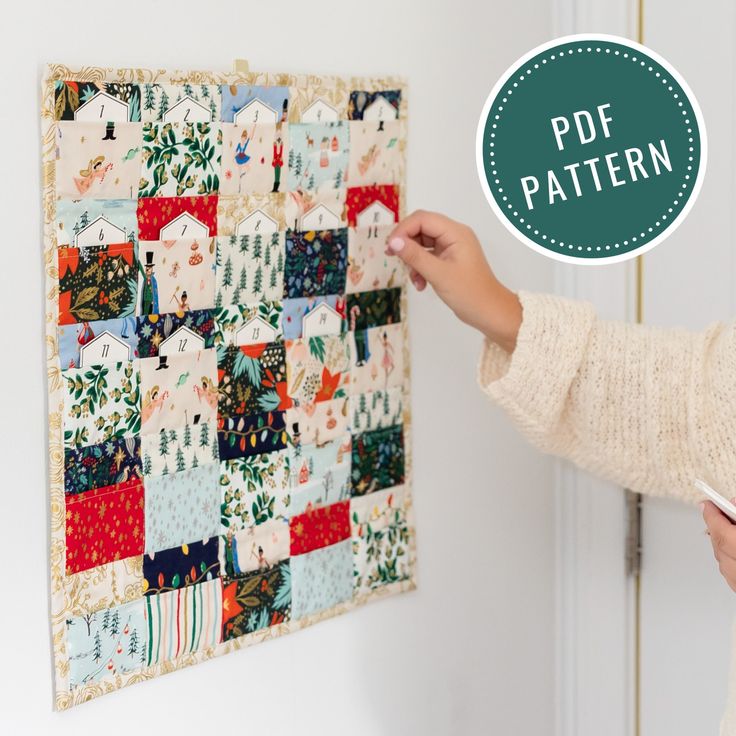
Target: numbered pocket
[(177, 332), (176, 276), (254, 158), (248, 324), (96, 283), (180, 159), (314, 316), (98, 160), (250, 268), (177, 390), (175, 218), (375, 153)]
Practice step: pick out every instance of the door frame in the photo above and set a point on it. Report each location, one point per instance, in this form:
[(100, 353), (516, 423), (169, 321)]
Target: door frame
[(596, 648)]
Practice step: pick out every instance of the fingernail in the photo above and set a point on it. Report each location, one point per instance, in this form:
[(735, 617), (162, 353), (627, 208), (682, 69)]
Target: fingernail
[(396, 244), (701, 505)]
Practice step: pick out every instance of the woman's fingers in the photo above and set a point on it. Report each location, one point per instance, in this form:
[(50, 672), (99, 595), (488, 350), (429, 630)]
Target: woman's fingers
[(429, 229), (722, 532), (419, 259)]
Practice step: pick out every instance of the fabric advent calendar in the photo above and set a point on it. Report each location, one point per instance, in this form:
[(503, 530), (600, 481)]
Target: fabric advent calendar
[(228, 363)]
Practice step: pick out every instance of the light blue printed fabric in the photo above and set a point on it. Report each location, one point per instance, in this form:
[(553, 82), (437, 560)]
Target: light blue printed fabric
[(182, 507), (236, 97), (318, 155), (321, 579), (329, 323), (91, 336), (80, 220), (110, 642), (320, 474)]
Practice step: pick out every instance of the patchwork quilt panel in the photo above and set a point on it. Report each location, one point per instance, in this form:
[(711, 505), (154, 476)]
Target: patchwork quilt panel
[(228, 362)]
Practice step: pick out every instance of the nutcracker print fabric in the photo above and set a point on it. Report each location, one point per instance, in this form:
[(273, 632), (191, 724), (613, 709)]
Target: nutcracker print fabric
[(230, 455)]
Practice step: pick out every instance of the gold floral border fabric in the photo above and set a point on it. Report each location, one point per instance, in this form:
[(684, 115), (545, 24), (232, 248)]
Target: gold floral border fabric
[(120, 582)]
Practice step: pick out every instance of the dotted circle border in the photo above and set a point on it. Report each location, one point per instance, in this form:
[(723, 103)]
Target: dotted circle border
[(560, 54)]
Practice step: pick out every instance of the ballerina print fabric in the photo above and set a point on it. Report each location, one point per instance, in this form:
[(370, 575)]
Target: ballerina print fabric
[(228, 365)]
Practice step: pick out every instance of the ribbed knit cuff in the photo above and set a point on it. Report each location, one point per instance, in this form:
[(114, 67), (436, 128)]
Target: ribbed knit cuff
[(533, 382)]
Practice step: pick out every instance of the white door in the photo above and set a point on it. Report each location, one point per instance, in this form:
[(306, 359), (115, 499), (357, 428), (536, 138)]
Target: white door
[(690, 281), (658, 668)]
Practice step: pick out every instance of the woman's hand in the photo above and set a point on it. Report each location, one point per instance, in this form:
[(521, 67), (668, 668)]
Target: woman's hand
[(723, 538), (447, 255)]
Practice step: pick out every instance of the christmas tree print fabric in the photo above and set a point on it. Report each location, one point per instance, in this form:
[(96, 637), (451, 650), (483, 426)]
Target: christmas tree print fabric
[(227, 359)]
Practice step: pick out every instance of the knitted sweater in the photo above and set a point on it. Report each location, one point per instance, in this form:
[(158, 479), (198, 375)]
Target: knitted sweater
[(650, 409)]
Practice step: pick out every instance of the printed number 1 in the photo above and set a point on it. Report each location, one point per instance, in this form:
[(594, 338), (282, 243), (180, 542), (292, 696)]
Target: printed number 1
[(102, 109)]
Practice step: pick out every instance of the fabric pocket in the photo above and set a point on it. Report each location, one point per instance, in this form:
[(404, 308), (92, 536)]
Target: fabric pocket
[(96, 283), (98, 160), (182, 507), (181, 566), (175, 332), (377, 460), (322, 579), (246, 435), (104, 525), (183, 621), (180, 159), (254, 548), (320, 527), (375, 154), (380, 540), (316, 263), (376, 409), (318, 422), (107, 643), (102, 402), (256, 601), (252, 379), (178, 388), (254, 489)]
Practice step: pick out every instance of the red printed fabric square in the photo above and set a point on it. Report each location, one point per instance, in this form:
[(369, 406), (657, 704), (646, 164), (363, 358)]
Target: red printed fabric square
[(372, 206), (177, 218), (104, 525), (319, 527)]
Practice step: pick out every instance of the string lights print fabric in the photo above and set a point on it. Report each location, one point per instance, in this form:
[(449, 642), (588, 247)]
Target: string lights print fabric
[(228, 364)]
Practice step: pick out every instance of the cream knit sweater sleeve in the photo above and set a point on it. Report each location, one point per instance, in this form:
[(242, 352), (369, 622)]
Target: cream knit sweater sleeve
[(647, 408)]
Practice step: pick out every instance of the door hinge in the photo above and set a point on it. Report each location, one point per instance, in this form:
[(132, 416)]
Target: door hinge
[(633, 533)]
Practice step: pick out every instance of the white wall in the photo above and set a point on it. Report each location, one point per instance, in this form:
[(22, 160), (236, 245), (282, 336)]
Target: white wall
[(471, 650)]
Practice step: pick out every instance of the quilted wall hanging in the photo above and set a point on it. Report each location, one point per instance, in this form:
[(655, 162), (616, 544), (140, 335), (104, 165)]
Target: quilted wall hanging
[(228, 366)]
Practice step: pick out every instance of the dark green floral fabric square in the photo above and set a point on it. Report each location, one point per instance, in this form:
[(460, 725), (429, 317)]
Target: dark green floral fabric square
[(377, 460), (256, 601), (316, 263), (374, 308), (252, 379)]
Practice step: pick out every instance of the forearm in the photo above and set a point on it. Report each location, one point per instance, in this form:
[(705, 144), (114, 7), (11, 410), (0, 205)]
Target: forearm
[(616, 399)]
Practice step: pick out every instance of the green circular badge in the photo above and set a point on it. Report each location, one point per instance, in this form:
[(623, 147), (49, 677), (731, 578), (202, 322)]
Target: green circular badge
[(591, 149)]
